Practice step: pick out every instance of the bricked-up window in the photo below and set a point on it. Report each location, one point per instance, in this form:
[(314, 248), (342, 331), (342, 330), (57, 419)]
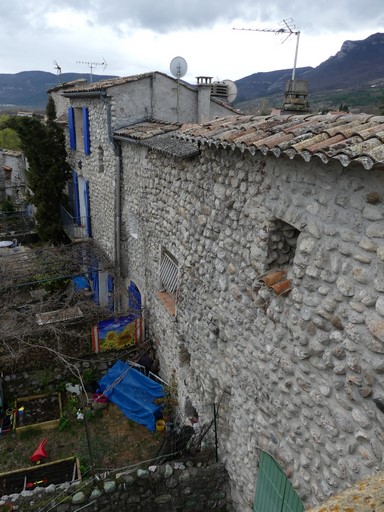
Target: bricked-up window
[(169, 281), (282, 241)]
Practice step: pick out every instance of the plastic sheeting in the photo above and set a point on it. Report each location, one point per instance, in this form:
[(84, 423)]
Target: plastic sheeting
[(133, 393)]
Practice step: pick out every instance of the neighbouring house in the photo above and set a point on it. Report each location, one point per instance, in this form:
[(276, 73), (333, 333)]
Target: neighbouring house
[(13, 177), (256, 246), (95, 112)]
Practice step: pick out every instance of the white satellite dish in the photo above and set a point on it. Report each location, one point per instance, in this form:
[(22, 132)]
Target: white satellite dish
[(178, 67), (232, 90)]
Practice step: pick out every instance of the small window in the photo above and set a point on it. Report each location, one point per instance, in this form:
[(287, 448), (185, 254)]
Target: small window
[(100, 158), (169, 279)]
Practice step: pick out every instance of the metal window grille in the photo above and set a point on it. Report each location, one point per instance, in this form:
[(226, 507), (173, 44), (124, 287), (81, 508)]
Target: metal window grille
[(169, 274)]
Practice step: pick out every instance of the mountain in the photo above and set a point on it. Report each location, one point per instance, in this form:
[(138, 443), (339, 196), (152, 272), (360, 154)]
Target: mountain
[(354, 76), (28, 90)]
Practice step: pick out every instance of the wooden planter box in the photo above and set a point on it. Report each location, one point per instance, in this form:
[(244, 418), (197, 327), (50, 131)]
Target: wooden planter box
[(56, 472), (40, 411)]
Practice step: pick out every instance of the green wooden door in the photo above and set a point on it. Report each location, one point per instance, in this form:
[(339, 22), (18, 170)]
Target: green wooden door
[(274, 492)]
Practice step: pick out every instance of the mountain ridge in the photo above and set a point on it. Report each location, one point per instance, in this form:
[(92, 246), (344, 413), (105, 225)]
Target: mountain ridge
[(354, 74)]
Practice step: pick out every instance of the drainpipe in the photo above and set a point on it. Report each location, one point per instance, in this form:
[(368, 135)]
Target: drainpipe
[(117, 199), (119, 170)]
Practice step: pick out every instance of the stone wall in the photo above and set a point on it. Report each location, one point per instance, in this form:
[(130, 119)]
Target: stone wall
[(99, 169), (33, 382), (296, 374), (171, 487), (12, 183)]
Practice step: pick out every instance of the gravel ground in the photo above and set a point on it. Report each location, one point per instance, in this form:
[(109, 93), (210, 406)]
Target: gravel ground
[(366, 496)]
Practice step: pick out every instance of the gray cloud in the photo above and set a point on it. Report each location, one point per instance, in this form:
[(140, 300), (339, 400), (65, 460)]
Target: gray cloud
[(169, 15)]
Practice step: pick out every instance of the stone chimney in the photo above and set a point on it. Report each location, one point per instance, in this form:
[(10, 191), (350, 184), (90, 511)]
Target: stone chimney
[(204, 85), (295, 96)]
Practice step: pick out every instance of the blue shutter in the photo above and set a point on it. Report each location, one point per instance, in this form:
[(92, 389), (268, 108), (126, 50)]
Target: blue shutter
[(87, 142), (87, 209), (71, 125), (134, 301), (110, 292), (93, 277), (76, 201)]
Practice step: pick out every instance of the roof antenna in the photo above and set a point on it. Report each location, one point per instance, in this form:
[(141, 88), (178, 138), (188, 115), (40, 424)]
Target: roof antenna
[(93, 65), (178, 68), (286, 27), (57, 67)]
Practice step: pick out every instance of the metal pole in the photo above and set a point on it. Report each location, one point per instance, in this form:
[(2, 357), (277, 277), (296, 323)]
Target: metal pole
[(88, 440), (296, 52), (215, 423)]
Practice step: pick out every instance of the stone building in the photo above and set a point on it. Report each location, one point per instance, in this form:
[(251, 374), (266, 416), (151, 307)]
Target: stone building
[(98, 109), (257, 245), (12, 177)]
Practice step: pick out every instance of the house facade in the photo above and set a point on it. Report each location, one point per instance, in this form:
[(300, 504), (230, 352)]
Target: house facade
[(95, 112), (12, 177), (257, 245)]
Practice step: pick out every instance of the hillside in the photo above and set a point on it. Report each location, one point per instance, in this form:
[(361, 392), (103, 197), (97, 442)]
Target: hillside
[(27, 90), (354, 76)]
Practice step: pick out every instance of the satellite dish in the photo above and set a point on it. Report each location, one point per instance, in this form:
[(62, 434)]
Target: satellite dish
[(232, 90), (178, 67)]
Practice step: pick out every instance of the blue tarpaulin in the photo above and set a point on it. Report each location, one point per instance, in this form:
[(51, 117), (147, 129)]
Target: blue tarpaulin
[(133, 393)]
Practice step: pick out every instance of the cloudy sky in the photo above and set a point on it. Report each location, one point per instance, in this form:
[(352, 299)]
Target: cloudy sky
[(136, 36)]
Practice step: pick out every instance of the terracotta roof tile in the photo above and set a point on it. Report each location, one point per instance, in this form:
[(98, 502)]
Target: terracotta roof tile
[(345, 137), (158, 135)]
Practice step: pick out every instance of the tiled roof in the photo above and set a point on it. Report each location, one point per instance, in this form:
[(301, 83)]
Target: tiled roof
[(146, 129), (68, 85), (105, 84), (347, 138), (158, 135)]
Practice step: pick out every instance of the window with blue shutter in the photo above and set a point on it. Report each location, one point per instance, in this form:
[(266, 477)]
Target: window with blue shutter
[(71, 125), (76, 199), (87, 142)]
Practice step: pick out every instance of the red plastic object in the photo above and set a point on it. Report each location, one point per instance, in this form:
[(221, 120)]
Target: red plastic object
[(40, 452), (100, 398)]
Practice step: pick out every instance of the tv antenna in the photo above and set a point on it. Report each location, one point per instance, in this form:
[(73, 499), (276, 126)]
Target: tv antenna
[(57, 67), (93, 65), (286, 27), (178, 68)]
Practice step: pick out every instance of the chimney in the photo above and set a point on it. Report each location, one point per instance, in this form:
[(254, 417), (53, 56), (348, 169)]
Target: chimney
[(295, 96), (204, 85)]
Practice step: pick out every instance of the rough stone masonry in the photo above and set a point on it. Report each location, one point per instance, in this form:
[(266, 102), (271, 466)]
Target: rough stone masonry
[(293, 374)]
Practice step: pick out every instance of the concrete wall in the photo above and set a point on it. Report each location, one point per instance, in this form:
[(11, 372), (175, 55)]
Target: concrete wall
[(295, 375)]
